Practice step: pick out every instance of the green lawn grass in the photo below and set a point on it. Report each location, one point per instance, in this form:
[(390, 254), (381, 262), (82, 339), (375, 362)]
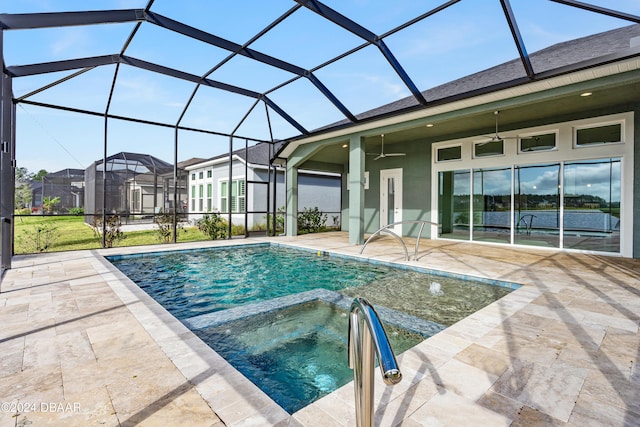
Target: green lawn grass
[(71, 233)]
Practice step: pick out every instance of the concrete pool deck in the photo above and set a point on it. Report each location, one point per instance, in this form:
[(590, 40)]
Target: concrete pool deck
[(81, 345)]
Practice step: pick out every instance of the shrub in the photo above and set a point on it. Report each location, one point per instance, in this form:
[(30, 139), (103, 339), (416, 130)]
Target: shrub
[(113, 234), (280, 217), (164, 221), (76, 211), (237, 230), (311, 220), (49, 203), (40, 238), (213, 225), (23, 211)]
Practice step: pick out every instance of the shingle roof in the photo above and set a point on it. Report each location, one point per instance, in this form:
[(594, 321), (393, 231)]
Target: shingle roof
[(256, 154), (551, 58)]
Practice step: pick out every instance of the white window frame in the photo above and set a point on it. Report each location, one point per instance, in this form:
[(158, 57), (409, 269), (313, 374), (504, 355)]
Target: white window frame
[(530, 134), (598, 125), (476, 143), (444, 147), (224, 195), (566, 152)]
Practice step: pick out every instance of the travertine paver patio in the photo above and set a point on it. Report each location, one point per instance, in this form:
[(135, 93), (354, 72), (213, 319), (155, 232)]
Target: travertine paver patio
[(81, 345)]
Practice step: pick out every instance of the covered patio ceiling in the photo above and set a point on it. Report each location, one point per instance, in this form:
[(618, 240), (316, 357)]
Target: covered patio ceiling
[(294, 69), (480, 121)]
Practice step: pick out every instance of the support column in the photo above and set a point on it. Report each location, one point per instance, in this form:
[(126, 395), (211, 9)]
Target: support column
[(291, 225), (356, 190), (7, 171)]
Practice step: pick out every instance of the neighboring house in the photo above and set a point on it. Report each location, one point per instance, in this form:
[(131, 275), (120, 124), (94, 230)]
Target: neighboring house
[(67, 184), (250, 191), (556, 168), (133, 183), (183, 182)]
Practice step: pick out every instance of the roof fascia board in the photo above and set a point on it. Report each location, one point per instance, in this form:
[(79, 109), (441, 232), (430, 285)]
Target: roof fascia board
[(537, 89), (602, 10), (24, 21), (304, 152), (215, 162)]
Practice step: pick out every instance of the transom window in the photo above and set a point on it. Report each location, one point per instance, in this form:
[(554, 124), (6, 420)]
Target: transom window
[(446, 154), (541, 142), (607, 134), (562, 185), (488, 149)]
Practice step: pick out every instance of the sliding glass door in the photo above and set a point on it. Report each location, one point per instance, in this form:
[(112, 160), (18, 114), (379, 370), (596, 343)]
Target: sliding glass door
[(573, 205), (592, 205), (536, 212), (454, 204), (492, 205)]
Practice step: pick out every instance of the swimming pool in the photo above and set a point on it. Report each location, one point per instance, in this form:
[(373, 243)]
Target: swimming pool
[(225, 293), (296, 354)]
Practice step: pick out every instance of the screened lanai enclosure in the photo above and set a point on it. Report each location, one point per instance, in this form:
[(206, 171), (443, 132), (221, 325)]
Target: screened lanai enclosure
[(133, 187), (198, 79), (65, 186)]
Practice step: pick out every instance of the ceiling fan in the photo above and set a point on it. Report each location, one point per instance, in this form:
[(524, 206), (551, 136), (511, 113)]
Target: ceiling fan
[(496, 137), (382, 154)]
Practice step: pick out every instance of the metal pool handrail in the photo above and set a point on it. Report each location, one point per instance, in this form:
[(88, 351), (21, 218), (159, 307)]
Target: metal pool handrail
[(362, 343), (385, 229)]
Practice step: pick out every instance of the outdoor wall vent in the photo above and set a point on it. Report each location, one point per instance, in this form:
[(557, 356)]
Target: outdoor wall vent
[(634, 42)]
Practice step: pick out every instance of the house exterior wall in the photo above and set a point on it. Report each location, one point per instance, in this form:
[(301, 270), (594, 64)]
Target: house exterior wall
[(141, 197), (420, 172), (316, 190), (416, 176)]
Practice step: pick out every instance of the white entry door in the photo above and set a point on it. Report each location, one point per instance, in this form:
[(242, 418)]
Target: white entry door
[(391, 198)]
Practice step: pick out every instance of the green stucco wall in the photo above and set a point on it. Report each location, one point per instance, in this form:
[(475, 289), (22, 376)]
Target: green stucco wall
[(417, 176), (416, 183)]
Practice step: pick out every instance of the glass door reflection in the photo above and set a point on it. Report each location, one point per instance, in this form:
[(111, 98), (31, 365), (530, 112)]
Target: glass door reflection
[(453, 204), (592, 205), (537, 205), (492, 205)]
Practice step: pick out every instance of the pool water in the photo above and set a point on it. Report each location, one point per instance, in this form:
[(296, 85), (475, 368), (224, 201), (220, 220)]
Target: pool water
[(438, 299), (297, 354), (232, 298), (190, 283)]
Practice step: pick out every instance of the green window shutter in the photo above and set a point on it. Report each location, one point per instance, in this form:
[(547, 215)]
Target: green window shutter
[(234, 192), (241, 184), (223, 197)]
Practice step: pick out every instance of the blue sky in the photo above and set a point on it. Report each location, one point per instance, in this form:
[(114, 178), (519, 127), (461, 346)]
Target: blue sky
[(469, 36)]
